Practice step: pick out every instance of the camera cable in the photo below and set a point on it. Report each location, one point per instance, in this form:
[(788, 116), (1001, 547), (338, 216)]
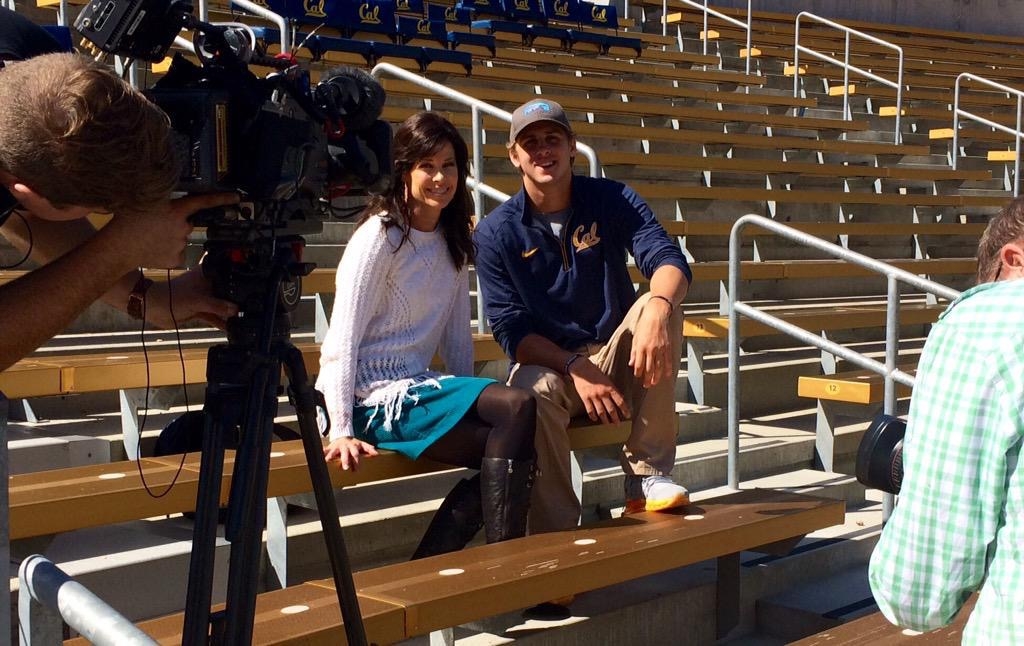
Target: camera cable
[(145, 411), (14, 210)]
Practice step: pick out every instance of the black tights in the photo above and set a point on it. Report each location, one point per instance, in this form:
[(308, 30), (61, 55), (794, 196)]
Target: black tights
[(500, 424)]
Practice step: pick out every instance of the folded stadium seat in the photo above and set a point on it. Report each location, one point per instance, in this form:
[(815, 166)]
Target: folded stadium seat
[(461, 16), (373, 16), (413, 7), (422, 29), (605, 17), (523, 17), (435, 55), (317, 45)]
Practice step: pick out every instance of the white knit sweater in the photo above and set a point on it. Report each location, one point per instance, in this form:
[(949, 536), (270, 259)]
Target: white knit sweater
[(392, 312)]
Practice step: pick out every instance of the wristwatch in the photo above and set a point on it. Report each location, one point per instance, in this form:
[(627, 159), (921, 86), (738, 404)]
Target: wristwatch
[(137, 298)]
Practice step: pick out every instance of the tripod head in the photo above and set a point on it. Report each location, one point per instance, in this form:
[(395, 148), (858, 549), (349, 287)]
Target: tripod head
[(260, 270)]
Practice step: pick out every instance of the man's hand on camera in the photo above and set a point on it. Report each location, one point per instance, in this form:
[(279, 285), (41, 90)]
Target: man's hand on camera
[(157, 239), (190, 299), (347, 451)]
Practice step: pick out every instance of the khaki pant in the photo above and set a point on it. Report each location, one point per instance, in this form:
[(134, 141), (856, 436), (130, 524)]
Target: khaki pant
[(650, 448)]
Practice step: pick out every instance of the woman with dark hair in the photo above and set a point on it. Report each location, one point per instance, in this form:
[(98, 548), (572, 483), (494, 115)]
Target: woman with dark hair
[(402, 296)]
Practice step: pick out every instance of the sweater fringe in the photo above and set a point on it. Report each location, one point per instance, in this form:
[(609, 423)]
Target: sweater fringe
[(390, 401)]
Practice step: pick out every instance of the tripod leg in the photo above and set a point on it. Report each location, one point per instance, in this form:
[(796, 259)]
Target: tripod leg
[(204, 532), (304, 398), (247, 503)]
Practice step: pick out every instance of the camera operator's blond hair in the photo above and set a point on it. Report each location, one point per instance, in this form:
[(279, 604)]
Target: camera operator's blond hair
[(78, 135)]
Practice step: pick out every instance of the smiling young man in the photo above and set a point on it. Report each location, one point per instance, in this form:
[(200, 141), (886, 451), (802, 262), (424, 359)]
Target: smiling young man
[(552, 263)]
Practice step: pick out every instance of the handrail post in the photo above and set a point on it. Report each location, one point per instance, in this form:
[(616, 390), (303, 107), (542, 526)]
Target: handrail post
[(847, 114), (707, 36), (796, 57), (1016, 157), (955, 152), (892, 334), (478, 160), (733, 396), (899, 101), (750, 46)]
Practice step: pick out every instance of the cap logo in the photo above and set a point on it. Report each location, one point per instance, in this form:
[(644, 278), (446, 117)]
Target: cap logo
[(537, 106)]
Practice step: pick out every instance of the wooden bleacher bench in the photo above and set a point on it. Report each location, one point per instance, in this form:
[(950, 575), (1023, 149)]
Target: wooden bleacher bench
[(60, 500), (592, 82), (811, 318), (854, 387), (586, 130), (477, 582), (645, 109), (769, 166)]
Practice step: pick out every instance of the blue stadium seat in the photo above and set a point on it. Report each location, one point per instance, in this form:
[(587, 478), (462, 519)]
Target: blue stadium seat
[(417, 7), (456, 15), (318, 45), (604, 17), (526, 18), (422, 28)]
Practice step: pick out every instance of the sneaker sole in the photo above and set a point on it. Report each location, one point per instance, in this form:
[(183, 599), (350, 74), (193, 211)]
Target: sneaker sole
[(638, 506)]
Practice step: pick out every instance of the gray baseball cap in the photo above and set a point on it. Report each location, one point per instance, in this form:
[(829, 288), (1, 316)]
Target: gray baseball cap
[(535, 111)]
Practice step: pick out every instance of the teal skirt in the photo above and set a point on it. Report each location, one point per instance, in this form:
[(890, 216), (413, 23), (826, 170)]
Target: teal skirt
[(426, 415)]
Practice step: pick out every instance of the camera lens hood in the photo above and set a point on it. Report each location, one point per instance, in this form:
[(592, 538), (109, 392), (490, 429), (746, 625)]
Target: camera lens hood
[(880, 455)]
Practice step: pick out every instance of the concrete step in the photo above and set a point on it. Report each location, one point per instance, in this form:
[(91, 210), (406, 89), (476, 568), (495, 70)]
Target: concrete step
[(816, 606)]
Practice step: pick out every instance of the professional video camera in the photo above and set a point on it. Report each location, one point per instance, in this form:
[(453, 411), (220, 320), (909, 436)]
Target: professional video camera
[(287, 146), (880, 455)]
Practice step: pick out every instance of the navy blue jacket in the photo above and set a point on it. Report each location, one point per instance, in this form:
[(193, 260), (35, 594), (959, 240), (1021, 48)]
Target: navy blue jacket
[(576, 290)]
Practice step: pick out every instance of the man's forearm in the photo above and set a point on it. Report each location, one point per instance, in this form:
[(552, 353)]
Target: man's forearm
[(670, 282), (42, 303), (536, 350)]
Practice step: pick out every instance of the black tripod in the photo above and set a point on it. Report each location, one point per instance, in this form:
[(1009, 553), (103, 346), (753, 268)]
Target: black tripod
[(243, 380)]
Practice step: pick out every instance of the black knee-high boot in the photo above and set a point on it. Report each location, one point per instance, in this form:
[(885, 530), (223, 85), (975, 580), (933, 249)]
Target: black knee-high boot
[(455, 522), (505, 488)]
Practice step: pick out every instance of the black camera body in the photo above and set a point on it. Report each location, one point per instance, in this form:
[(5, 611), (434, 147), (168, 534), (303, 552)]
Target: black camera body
[(287, 147), (880, 454)]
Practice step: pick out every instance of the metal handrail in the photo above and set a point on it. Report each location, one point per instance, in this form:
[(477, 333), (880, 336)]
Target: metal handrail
[(707, 10), (958, 111), (263, 12), (476, 183), (48, 597), (847, 67), (888, 370)]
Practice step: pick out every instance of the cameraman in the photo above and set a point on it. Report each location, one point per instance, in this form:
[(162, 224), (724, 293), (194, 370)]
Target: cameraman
[(75, 139), (959, 524)]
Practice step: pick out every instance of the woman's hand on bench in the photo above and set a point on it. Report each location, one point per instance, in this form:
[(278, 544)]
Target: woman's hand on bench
[(347, 450)]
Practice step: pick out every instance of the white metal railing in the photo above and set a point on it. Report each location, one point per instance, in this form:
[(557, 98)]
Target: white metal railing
[(958, 112), (709, 11), (48, 598), (847, 66), (888, 369)]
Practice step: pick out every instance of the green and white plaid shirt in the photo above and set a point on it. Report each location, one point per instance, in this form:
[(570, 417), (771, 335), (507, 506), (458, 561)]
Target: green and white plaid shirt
[(959, 522)]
